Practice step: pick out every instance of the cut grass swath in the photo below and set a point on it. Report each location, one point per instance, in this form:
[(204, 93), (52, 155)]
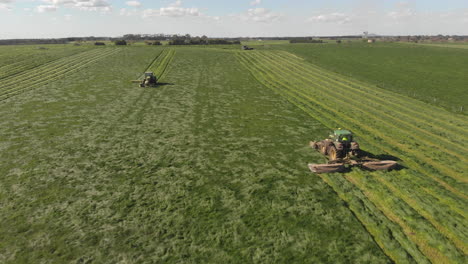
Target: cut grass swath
[(341, 118), (43, 75), (344, 97), (451, 124), (388, 235), (293, 82)]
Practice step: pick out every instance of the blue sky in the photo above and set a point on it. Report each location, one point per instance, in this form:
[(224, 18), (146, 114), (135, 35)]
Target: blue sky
[(62, 18)]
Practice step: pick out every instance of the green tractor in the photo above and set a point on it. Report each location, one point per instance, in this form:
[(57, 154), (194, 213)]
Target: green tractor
[(339, 145), (149, 80), (342, 152)]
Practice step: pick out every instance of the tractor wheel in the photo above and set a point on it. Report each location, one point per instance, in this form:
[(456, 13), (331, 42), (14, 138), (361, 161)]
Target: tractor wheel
[(323, 149), (334, 154)]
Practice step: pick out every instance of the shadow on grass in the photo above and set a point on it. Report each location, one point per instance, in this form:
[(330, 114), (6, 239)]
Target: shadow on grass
[(384, 157), (162, 84)]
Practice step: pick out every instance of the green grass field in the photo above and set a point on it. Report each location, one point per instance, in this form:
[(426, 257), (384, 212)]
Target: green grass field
[(211, 165), (435, 75)]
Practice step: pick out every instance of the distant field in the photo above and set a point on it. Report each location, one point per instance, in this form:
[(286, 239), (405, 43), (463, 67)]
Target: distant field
[(443, 45), (211, 165), (265, 42), (435, 75)]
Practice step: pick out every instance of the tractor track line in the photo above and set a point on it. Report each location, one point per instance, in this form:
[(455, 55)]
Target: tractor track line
[(325, 119), (48, 68), (12, 92), (166, 63), (419, 108), (371, 109), (375, 220), (21, 66), (48, 76), (449, 171), (461, 245), (433, 253)]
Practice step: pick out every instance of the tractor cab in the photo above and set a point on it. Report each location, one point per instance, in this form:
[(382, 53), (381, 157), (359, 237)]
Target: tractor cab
[(342, 135), (149, 80), (149, 74)]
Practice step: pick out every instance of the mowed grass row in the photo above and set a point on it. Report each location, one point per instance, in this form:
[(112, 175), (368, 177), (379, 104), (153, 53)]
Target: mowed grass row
[(288, 85), (208, 169), (161, 63), (386, 136), (14, 54), (446, 125), (15, 62), (49, 72), (437, 76), (457, 206), (435, 241), (305, 84), (49, 67), (389, 235), (369, 110)]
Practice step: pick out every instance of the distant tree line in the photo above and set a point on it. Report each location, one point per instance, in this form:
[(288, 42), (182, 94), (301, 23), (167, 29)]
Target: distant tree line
[(50, 41), (32, 41), (203, 40), (143, 37), (305, 40), (155, 43)]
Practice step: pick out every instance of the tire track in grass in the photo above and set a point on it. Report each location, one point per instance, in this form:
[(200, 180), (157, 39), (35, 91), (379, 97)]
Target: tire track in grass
[(390, 237), (33, 60), (422, 188), (53, 67), (250, 62), (447, 203), (52, 74), (27, 75), (150, 66), (352, 122), (329, 119), (416, 108), (49, 77), (415, 205), (126, 115), (29, 64), (164, 64), (361, 113), (432, 253), (377, 108)]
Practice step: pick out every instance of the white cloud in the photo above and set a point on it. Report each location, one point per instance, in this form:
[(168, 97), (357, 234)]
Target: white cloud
[(6, 5), (133, 3), (67, 17), (260, 15), (127, 12), (88, 5), (173, 10), (338, 18), (46, 8), (403, 11), (177, 3), (255, 2)]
